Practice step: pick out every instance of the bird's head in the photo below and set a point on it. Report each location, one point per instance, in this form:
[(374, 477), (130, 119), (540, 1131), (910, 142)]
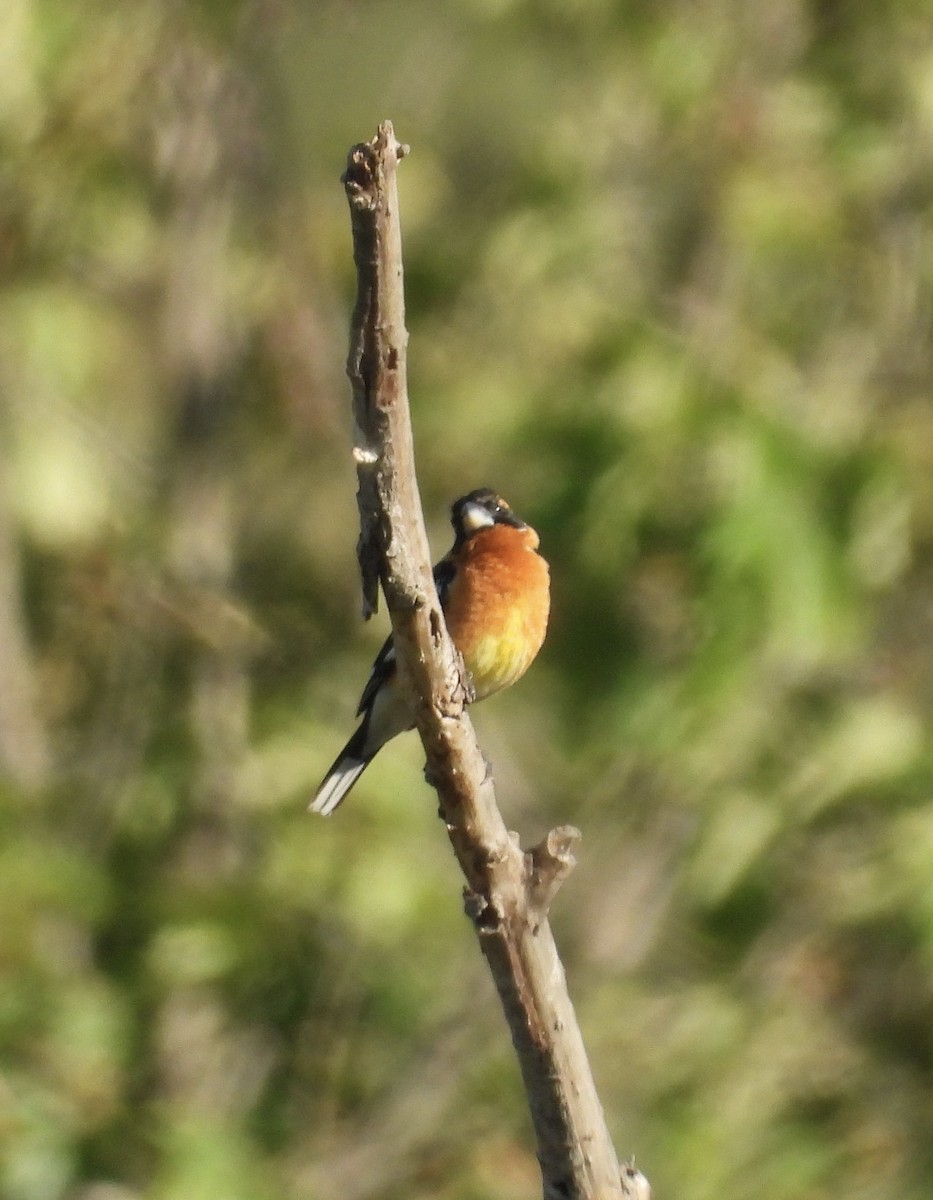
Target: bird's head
[(480, 510)]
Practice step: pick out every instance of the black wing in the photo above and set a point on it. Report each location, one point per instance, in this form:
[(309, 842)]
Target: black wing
[(384, 666), (383, 670), (444, 574)]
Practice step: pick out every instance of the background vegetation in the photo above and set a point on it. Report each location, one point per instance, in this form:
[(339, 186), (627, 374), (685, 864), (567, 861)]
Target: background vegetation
[(669, 271)]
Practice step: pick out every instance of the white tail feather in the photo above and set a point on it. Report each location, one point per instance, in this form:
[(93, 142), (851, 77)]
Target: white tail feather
[(341, 777)]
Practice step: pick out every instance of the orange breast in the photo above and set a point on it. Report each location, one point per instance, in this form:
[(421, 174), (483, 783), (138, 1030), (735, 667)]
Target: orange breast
[(498, 606)]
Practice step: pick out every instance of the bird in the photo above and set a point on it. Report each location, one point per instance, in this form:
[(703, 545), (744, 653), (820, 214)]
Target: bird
[(494, 589)]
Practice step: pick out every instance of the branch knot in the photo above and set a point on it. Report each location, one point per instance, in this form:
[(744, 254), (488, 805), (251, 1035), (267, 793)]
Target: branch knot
[(548, 864)]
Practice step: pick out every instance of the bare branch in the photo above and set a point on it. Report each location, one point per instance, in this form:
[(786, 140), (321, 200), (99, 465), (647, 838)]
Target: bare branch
[(506, 896)]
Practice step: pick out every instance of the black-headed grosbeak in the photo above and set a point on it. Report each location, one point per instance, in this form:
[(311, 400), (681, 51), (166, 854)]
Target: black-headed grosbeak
[(494, 589)]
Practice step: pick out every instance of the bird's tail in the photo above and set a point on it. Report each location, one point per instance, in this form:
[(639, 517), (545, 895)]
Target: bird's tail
[(349, 765)]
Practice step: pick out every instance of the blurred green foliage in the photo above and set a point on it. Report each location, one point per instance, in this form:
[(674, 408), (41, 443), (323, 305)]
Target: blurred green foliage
[(669, 287)]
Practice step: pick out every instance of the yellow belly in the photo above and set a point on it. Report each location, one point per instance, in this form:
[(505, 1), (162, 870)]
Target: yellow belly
[(498, 662)]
